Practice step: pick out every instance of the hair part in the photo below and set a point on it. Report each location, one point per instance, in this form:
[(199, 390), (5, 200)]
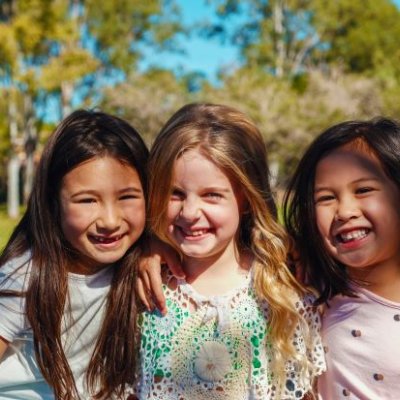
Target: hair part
[(82, 136), (233, 143), (381, 137)]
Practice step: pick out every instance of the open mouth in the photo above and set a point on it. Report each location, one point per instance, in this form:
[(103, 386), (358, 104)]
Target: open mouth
[(351, 236), (195, 233), (105, 240)]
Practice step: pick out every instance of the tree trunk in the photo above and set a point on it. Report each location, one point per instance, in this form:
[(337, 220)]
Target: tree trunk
[(279, 37), (30, 145), (13, 186), (67, 89), (14, 163)]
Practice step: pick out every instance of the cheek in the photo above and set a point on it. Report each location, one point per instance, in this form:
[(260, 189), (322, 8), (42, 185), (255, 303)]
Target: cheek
[(137, 215), (76, 218), (323, 217), (173, 211)]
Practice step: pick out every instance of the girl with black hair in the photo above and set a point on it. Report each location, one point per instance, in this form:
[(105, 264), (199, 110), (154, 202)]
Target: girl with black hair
[(343, 209), (67, 275)]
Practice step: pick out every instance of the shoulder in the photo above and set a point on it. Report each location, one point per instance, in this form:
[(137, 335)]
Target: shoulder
[(307, 308), (14, 277), (14, 273)]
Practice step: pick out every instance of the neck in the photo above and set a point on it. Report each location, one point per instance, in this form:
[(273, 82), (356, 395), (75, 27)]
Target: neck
[(383, 280), (218, 273)]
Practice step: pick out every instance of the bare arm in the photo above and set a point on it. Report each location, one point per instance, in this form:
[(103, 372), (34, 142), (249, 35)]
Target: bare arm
[(149, 274), (3, 347)]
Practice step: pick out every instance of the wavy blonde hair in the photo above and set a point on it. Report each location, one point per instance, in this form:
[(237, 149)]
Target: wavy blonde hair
[(232, 142)]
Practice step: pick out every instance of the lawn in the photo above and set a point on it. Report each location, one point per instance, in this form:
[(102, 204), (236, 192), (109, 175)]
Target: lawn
[(6, 225)]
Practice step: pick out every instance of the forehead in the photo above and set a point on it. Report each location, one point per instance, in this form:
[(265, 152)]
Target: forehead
[(352, 161), (100, 171), (193, 166)]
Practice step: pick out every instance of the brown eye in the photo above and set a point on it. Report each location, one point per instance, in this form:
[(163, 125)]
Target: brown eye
[(177, 195), (86, 201), (324, 198), (213, 195), (364, 190)]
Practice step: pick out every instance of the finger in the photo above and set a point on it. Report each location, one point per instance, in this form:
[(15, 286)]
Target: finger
[(168, 255), (142, 293), (155, 288), (147, 287), (173, 261), (175, 267)]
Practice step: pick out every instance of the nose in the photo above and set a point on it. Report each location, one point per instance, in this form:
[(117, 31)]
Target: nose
[(109, 218), (190, 209), (347, 208)]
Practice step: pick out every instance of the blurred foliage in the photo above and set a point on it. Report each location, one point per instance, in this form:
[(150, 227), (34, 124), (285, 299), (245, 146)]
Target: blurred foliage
[(305, 65), (7, 225), (288, 37), (289, 115), (147, 100), (52, 49)]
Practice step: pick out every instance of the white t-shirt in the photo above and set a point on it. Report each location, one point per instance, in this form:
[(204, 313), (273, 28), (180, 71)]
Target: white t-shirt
[(362, 340), (20, 377)]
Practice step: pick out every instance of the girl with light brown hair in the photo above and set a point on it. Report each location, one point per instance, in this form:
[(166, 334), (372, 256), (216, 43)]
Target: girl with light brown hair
[(239, 326)]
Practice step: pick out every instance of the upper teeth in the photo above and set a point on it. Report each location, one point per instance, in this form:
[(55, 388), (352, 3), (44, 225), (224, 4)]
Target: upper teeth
[(195, 233), (359, 234), (102, 239)]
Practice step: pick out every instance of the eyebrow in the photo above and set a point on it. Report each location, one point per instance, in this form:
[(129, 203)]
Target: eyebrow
[(131, 189), (208, 188), (322, 188)]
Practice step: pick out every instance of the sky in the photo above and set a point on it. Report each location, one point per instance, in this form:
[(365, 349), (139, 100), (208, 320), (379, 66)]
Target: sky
[(201, 55), (206, 56)]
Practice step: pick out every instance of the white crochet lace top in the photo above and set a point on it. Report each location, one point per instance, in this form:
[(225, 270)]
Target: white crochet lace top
[(217, 348)]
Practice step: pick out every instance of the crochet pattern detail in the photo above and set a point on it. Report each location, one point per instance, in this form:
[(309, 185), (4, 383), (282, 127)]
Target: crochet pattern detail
[(216, 348)]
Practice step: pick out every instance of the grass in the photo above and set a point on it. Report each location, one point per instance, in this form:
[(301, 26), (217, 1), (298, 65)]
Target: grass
[(6, 225)]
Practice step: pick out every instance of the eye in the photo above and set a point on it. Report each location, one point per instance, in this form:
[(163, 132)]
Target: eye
[(213, 195), (177, 194), (86, 200), (324, 198), (129, 197), (364, 190)]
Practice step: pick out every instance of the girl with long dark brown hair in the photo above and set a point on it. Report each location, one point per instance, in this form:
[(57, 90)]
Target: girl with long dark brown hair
[(67, 272)]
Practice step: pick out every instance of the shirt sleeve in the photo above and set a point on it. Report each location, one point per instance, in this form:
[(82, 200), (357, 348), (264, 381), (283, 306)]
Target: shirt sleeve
[(298, 384), (14, 277), (315, 350)]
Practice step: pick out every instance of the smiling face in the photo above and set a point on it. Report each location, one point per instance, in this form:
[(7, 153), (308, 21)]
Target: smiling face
[(204, 208), (357, 209), (102, 211)]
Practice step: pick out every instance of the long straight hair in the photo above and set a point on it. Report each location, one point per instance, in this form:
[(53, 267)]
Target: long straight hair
[(233, 143), (80, 137), (381, 137)]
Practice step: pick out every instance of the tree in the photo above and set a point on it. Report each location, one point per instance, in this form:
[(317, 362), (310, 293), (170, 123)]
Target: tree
[(147, 100), (64, 48), (99, 43), (289, 114), (24, 29), (360, 34), (290, 37)]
